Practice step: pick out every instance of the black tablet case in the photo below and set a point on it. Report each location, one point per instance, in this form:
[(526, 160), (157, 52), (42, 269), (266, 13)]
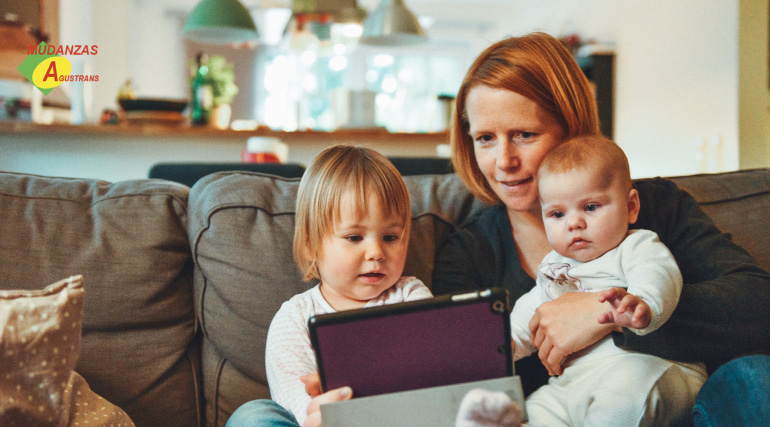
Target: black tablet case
[(440, 341)]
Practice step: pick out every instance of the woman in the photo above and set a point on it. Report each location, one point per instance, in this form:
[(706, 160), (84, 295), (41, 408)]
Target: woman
[(522, 97)]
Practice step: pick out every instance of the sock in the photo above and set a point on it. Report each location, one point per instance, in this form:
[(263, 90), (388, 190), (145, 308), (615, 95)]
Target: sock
[(484, 408)]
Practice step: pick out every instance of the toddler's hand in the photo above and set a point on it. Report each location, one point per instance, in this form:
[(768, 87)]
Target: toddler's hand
[(314, 408), (628, 310), (312, 384)]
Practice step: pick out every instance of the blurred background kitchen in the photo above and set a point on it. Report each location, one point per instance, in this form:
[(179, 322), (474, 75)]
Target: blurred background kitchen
[(684, 86)]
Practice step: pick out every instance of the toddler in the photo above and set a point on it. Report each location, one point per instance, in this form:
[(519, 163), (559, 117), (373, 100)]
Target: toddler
[(588, 202), (351, 235)]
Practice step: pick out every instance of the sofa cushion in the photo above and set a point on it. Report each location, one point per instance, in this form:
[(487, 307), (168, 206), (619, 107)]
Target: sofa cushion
[(129, 242), (41, 333), (241, 232), (738, 203)]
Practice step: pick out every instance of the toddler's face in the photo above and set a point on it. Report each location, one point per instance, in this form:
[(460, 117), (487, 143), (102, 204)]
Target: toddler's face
[(362, 257), (585, 215)]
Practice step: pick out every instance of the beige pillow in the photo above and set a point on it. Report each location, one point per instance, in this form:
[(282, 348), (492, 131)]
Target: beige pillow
[(39, 346)]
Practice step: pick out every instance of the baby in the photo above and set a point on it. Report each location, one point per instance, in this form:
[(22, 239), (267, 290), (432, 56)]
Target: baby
[(588, 201)]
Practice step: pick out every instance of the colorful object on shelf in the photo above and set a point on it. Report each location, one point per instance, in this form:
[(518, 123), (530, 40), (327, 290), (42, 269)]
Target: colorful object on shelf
[(261, 149), (108, 117), (212, 85), (126, 91), (202, 93)]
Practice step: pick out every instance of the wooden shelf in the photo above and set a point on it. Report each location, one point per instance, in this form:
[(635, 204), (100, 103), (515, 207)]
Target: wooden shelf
[(186, 131)]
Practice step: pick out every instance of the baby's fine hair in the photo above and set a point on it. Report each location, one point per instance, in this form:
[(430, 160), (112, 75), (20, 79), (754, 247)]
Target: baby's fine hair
[(336, 172), (593, 152)]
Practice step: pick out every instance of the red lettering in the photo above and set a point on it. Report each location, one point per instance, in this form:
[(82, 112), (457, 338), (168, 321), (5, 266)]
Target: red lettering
[(32, 50), (51, 71), (51, 50), (93, 49)]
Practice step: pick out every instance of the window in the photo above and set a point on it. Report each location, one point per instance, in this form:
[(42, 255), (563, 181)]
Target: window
[(319, 78)]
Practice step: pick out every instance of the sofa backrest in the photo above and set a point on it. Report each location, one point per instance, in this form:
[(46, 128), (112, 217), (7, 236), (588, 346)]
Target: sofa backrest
[(133, 241), (241, 232), (738, 203), (129, 241)]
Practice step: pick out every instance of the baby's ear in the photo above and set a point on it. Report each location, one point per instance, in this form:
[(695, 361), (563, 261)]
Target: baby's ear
[(633, 205)]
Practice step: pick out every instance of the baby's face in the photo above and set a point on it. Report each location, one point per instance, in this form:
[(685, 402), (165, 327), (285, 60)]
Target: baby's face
[(585, 215)]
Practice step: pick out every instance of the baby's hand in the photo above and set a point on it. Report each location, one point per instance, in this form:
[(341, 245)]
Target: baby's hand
[(628, 310)]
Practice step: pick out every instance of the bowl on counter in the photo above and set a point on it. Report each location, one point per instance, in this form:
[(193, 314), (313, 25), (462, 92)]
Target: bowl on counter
[(152, 111), (152, 104)]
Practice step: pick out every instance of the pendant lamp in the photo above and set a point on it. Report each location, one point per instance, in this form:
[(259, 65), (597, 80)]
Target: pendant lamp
[(220, 22), (392, 24)]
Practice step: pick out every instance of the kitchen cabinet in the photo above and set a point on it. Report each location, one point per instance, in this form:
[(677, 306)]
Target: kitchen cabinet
[(25, 23)]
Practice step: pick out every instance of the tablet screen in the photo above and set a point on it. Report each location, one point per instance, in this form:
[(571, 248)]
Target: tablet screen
[(445, 340)]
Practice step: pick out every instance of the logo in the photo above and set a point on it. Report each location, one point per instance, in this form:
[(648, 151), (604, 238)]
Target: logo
[(46, 68)]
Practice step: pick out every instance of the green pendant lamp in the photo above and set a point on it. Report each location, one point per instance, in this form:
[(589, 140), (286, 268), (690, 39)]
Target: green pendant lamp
[(392, 24), (220, 22)]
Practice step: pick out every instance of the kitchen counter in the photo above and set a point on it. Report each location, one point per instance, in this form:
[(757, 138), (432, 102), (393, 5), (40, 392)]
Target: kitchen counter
[(128, 151), (158, 130)]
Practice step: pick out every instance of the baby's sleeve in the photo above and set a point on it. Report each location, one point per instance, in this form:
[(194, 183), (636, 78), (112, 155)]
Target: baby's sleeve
[(653, 275), (522, 313)]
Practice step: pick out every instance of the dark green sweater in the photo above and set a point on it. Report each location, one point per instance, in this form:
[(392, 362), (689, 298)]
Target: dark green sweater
[(725, 301)]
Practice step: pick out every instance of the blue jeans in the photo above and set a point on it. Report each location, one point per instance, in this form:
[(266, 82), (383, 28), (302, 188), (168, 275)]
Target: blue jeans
[(262, 413), (737, 394)]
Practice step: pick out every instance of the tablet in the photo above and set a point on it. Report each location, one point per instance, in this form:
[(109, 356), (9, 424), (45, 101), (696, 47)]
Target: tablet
[(445, 340)]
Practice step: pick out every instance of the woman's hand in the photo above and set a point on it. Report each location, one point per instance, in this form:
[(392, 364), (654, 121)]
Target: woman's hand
[(567, 325), (313, 388)]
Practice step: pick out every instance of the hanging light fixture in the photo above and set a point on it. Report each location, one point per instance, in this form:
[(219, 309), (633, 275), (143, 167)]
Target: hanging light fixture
[(392, 24), (220, 22)]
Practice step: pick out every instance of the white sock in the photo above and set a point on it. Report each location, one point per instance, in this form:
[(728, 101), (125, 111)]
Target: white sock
[(484, 408)]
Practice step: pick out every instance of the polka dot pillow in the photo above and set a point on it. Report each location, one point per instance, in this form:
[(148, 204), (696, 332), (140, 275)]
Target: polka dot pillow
[(39, 346)]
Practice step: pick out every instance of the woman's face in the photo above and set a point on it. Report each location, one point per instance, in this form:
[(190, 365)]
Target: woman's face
[(511, 135)]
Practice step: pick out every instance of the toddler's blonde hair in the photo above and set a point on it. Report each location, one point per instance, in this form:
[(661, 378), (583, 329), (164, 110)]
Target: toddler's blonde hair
[(336, 172)]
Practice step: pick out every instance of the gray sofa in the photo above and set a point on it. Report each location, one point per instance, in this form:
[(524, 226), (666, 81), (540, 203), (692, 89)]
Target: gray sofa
[(181, 284)]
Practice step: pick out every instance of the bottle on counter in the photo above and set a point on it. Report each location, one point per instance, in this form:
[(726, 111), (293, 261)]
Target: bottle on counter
[(202, 97)]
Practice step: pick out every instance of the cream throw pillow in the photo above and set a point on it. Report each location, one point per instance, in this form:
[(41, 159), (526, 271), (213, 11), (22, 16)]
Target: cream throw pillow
[(39, 346)]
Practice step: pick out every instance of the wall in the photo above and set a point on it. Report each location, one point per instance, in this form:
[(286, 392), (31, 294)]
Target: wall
[(691, 78), (753, 114)]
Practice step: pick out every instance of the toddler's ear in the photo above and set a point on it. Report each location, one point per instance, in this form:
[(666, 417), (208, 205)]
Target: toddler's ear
[(633, 205)]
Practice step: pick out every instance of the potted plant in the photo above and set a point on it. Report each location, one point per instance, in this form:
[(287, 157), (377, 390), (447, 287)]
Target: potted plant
[(216, 72)]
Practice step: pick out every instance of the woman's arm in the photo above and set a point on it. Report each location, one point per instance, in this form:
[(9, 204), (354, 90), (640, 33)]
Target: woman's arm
[(483, 254), (724, 305), (567, 325)]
